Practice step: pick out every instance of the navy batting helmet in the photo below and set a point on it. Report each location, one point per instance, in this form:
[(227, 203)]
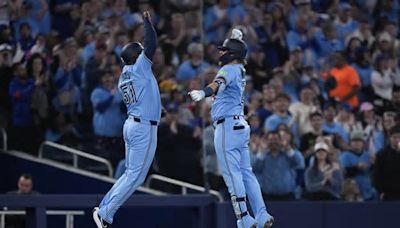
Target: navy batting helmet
[(236, 49), (131, 52)]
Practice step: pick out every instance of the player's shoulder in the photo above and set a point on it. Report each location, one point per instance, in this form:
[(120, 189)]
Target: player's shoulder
[(228, 69)]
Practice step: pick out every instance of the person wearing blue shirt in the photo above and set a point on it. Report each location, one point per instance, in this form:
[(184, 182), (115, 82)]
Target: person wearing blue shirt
[(303, 37), (26, 41), (40, 12), (357, 163), (23, 135), (277, 163), (332, 128), (326, 41), (364, 69), (26, 17), (193, 67), (219, 18), (345, 25), (281, 116), (108, 118)]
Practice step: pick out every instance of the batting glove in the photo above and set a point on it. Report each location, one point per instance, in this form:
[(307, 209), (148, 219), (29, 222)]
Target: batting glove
[(197, 95)]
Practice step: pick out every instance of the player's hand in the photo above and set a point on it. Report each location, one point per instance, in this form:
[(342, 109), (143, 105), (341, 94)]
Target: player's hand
[(146, 15), (197, 95)]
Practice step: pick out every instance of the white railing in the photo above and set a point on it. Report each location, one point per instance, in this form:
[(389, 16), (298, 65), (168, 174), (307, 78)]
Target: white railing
[(69, 216), (184, 185), (4, 137), (75, 154)]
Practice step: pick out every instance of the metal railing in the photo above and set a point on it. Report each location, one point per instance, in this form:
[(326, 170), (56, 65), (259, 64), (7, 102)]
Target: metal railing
[(4, 137), (75, 154), (69, 216), (184, 185)]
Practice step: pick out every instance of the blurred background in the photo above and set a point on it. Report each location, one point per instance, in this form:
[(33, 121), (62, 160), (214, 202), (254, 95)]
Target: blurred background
[(323, 80)]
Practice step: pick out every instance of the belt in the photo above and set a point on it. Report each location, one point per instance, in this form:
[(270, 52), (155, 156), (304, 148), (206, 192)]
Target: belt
[(152, 122), (220, 121)]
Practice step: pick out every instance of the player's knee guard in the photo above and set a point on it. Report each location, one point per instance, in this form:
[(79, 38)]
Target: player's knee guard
[(236, 206)]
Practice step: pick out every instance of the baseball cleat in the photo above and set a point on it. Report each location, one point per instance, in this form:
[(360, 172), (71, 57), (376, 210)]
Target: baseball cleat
[(269, 223), (247, 222), (100, 223)]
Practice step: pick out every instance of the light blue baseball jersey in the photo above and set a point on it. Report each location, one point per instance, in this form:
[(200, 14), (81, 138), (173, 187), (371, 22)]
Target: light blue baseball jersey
[(140, 90), (230, 102)]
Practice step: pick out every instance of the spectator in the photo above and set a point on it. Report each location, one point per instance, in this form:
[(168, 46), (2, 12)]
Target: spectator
[(268, 97), (302, 36), (272, 37), (5, 80), (108, 117), (96, 64), (193, 67), (174, 41), (26, 41), (371, 125), (277, 162), (345, 25), (387, 168), (217, 21), (250, 91), (301, 111), (309, 139), (389, 120), (67, 98), (293, 71), (357, 162), (21, 90), (25, 187), (281, 114), (394, 104), (362, 65), (326, 41), (346, 117), (36, 68), (323, 178), (330, 127), (347, 81), (351, 192), (211, 168), (257, 68), (63, 15), (178, 141), (382, 81), (363, 32)]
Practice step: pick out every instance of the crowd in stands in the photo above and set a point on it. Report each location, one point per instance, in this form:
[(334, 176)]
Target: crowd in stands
[(322, 95)]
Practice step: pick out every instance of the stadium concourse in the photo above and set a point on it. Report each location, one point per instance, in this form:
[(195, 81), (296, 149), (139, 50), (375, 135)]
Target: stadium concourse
[(322, 83)]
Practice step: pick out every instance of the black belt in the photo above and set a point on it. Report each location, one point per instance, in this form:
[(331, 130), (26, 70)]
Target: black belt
[(137, 119), (223, 119)]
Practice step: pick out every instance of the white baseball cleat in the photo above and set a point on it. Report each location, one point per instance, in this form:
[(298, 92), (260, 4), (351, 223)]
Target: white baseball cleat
[(100, 223)]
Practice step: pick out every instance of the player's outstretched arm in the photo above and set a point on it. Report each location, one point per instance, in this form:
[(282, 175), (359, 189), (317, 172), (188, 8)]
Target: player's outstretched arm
[(213, 88), (150, 36)]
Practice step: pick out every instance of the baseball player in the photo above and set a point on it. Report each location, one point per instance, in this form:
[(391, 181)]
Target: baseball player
[(142, 99), (232, 133)]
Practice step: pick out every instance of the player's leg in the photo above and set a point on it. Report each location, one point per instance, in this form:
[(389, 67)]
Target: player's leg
[(252, 187), (228, 154), (141, 140)]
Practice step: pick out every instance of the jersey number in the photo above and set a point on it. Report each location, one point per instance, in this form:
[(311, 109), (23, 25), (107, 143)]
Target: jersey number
[(129, 93)]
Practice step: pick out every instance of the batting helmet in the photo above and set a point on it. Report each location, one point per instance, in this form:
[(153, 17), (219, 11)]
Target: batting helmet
[(131, 52), (236, 49)]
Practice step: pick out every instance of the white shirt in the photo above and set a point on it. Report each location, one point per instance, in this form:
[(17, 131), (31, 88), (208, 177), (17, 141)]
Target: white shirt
[(301, 113), (382, 84)]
